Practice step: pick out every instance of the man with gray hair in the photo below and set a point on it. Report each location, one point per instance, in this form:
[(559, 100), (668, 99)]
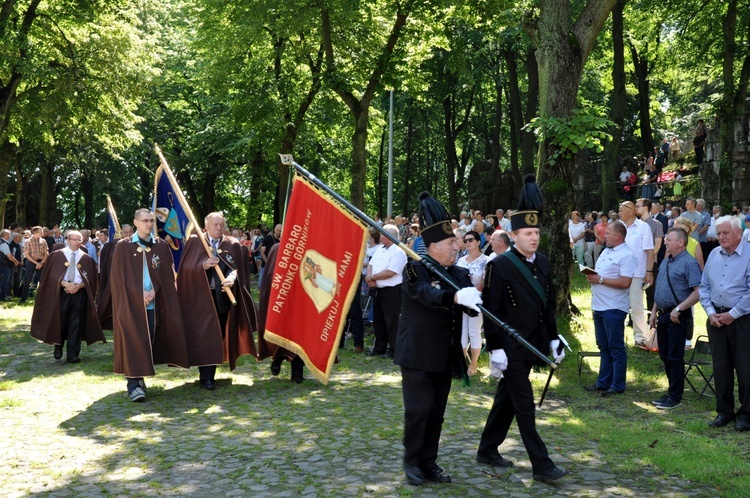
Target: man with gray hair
[(384, 277), (218, 331), (713, 243), (7, 264), (500, 242), (725, 295)]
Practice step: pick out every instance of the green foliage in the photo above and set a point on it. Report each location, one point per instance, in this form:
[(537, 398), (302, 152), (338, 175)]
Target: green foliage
[(586, 128)]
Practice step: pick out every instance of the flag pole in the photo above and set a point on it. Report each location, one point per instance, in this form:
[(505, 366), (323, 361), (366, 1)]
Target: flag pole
[(111, 208), (429, 263), (192, 220)]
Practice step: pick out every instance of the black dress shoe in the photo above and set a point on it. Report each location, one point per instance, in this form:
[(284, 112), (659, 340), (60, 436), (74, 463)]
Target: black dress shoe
[(550, 474), (611, 392), (721, 420), (276, 365), (494, 460), (414, 475), (594, 389), (208, 385), (74, 359), (436, 474), (58, 352), (372, 352), (742, 425), (298, 378)]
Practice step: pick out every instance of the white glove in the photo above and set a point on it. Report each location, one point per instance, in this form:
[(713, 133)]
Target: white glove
[(469, 297), (498, 362), (554, 345)]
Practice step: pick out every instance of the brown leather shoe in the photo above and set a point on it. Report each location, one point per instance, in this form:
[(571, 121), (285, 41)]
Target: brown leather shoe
[(358, 349)]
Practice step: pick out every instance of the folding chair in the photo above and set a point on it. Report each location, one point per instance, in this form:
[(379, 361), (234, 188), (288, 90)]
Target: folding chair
[(581, 356), (699, 360)]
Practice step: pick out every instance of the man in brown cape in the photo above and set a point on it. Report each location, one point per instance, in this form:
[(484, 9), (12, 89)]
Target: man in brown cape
[(104, 296), (146, 317), (218, 331), (64, 309)]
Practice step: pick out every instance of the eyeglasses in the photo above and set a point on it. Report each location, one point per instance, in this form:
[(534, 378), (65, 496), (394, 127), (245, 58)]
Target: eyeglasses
[(466, 241)]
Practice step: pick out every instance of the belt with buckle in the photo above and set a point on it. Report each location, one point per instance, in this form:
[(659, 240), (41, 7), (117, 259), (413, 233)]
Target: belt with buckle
[(720, 309), (667, 310)]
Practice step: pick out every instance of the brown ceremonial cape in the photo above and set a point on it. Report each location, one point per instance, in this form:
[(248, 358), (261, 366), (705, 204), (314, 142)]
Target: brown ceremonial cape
[(268, 349), (205, 344), (134, 355), (46, 318), (104, 296)]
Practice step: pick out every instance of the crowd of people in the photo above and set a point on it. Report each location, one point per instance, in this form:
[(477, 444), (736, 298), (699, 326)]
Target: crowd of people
[(676, 257), (673, 257)]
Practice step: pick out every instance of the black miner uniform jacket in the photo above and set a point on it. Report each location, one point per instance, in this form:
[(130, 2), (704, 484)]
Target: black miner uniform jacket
[(508, 296), (429, 333)]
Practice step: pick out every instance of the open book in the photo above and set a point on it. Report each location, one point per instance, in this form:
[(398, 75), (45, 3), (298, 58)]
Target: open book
[(586, 270)]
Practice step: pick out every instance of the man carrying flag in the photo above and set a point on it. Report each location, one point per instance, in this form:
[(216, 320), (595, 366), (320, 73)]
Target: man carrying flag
[(428, 343), (217, 331)]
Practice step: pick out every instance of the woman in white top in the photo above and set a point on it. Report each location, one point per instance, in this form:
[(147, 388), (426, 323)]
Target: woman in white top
[(471, 333), (576, 232)]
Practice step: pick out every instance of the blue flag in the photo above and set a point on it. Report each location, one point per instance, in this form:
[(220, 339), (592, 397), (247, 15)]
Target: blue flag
[(172, 221), (112, 223)]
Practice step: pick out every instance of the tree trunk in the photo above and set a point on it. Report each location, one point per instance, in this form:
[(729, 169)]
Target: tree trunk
[(610, 165), (254, 211), (7, 151), (87, 190), (47, 196), (20, 195), (528, 139), (562, 51), (516, 113), (359, 107), (642, 71), (359, 155)]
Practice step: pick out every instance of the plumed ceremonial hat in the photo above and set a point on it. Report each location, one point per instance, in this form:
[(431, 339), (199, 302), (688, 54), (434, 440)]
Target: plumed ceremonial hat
[(530, 205), (434, 220)]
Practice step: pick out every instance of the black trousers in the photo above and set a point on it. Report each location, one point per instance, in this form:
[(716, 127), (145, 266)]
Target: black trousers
[(133, 382), (515, 399), (730, 348), (72, 316), (425, 398), (386, 308), (30, 271), (354, 321), (208, 372), (671, 337)]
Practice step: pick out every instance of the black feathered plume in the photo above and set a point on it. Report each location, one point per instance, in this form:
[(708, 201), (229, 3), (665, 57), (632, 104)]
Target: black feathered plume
[(431, 210), (530, 198)]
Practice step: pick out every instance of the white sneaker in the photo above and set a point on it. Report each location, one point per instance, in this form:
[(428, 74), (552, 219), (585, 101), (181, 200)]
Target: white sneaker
[(137, 394), (688, 344)]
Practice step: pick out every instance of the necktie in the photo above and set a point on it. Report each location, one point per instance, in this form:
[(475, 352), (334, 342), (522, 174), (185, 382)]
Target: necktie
[(215, 245), (70, 276)]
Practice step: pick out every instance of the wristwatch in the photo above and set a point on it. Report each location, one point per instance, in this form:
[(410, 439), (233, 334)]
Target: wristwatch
[(601, 280), (677, 309)]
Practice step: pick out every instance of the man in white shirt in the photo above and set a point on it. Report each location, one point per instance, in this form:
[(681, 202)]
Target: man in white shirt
[(64, 311), (502, 221), (500, 242), (641, 242), (610, 301), (384, 277)]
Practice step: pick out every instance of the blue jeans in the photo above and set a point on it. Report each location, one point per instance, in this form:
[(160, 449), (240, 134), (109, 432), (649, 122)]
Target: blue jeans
[(609, 328), (671, 338)]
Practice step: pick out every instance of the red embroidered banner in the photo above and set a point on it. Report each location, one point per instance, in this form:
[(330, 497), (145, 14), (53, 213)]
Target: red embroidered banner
[(316, 277)]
